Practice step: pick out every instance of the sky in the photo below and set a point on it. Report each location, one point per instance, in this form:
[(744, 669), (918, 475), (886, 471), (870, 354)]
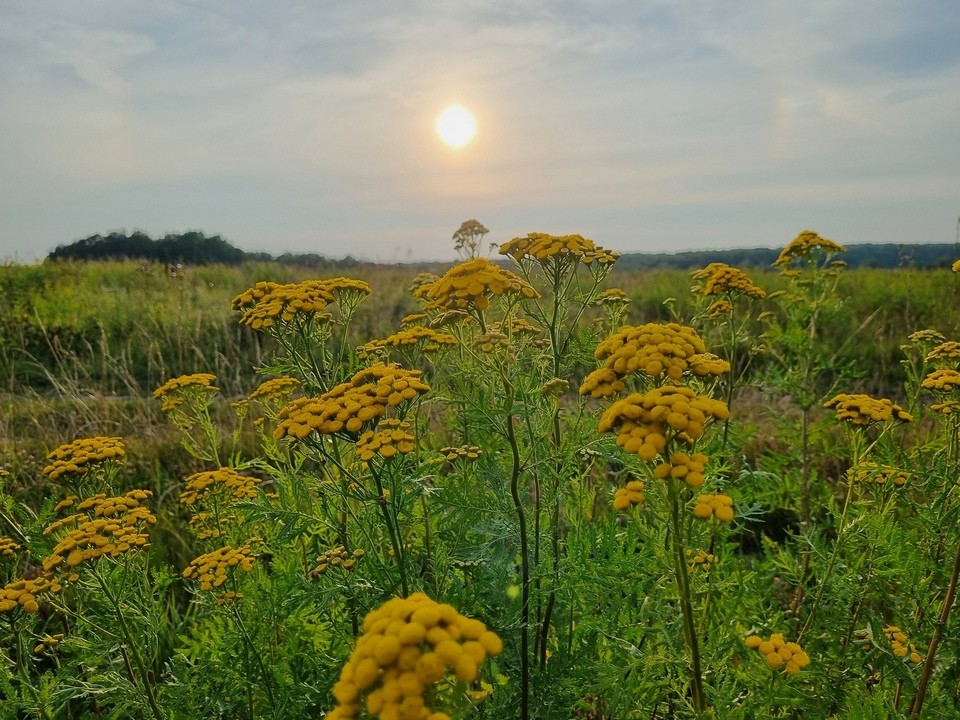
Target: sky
[(646, 126)]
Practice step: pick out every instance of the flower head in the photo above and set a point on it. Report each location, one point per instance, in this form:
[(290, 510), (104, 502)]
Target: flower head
[(630, 495), (720, 278), (804, 244), (653, 349), (350, 405), (83, 454), (279, 387), (407, 645), (714, 505), (211, 568), (779, 654), (391, 437), (414, 335), (546, 249), (176, 390), (870, 471), (644, 421), (470, 285), (859, 409), (103, 527)]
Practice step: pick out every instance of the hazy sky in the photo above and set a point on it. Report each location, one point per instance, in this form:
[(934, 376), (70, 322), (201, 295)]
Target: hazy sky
[(308, 126)]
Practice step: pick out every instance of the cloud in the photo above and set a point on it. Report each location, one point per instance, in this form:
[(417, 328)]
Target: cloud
[(313, 121)]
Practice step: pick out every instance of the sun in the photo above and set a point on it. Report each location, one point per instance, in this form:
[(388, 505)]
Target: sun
[(456, 126)]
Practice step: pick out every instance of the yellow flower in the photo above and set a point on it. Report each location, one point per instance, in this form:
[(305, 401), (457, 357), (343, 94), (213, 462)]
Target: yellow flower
[(630, 495), (413, 335), (948, 350), (956, 266), (702, 561), (79, 456), (463, 452), (348, 407), (471, 284), (900, 645), (721, 278), (234, 485), (8, 547), (921, 337), (643, 421), (407, 645), (778, 653), (860, 409), (713, 505), (546, 249), (194, 381), (389, 438), (104, 527), (279, 387), (211, 568), (804, 244), (268, 303), (945, 380), (613, 296), (25, 593), (880, 474), (653, 349)]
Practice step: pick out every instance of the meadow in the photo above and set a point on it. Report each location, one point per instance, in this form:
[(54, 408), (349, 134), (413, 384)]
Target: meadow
[(539, 489)]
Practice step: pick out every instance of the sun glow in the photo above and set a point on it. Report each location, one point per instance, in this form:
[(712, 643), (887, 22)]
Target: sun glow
[(456, 126)]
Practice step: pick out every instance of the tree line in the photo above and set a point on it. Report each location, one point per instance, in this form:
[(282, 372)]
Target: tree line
[(196, 248)]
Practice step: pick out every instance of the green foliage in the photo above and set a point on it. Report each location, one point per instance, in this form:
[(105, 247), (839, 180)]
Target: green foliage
[(476, 474)]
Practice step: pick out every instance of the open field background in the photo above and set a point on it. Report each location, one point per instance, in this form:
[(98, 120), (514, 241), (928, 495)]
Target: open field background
[(84, 345)]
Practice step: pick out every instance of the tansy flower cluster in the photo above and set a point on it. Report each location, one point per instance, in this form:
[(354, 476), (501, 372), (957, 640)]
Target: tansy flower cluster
[(268, 302), (428, 338), (24, 593), (224, 480), (557, 249), (105, 526), (278, 387), (804, 244), (75, 458), (720, 279), (348, 406), (880, 474), (719, 307), (463, 452), (414, 318), (8, 548), (174, 391), (900, 645), (630, 495), (921, 337), (407, 645), (701, 560), (612, 296), (643, 420), (956, 266), (48, 642), (389, 438), (777, 653), (655, 349), (949, 350), (470, 285), (945, 380), (491, 341), (714, 505), (860, 409), (688, 468), (210, 569), (337, 557)]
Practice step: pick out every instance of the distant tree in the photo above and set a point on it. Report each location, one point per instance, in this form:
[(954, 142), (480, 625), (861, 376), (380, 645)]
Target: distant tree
[(468, 238)]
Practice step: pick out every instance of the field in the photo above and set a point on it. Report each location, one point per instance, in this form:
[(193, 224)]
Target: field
[(543, 489)]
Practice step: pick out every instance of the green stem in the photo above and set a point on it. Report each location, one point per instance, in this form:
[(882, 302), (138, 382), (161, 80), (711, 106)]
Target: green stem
[(524, 570), (132, 647), (686, 605), (392, 530), (941, 625)]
